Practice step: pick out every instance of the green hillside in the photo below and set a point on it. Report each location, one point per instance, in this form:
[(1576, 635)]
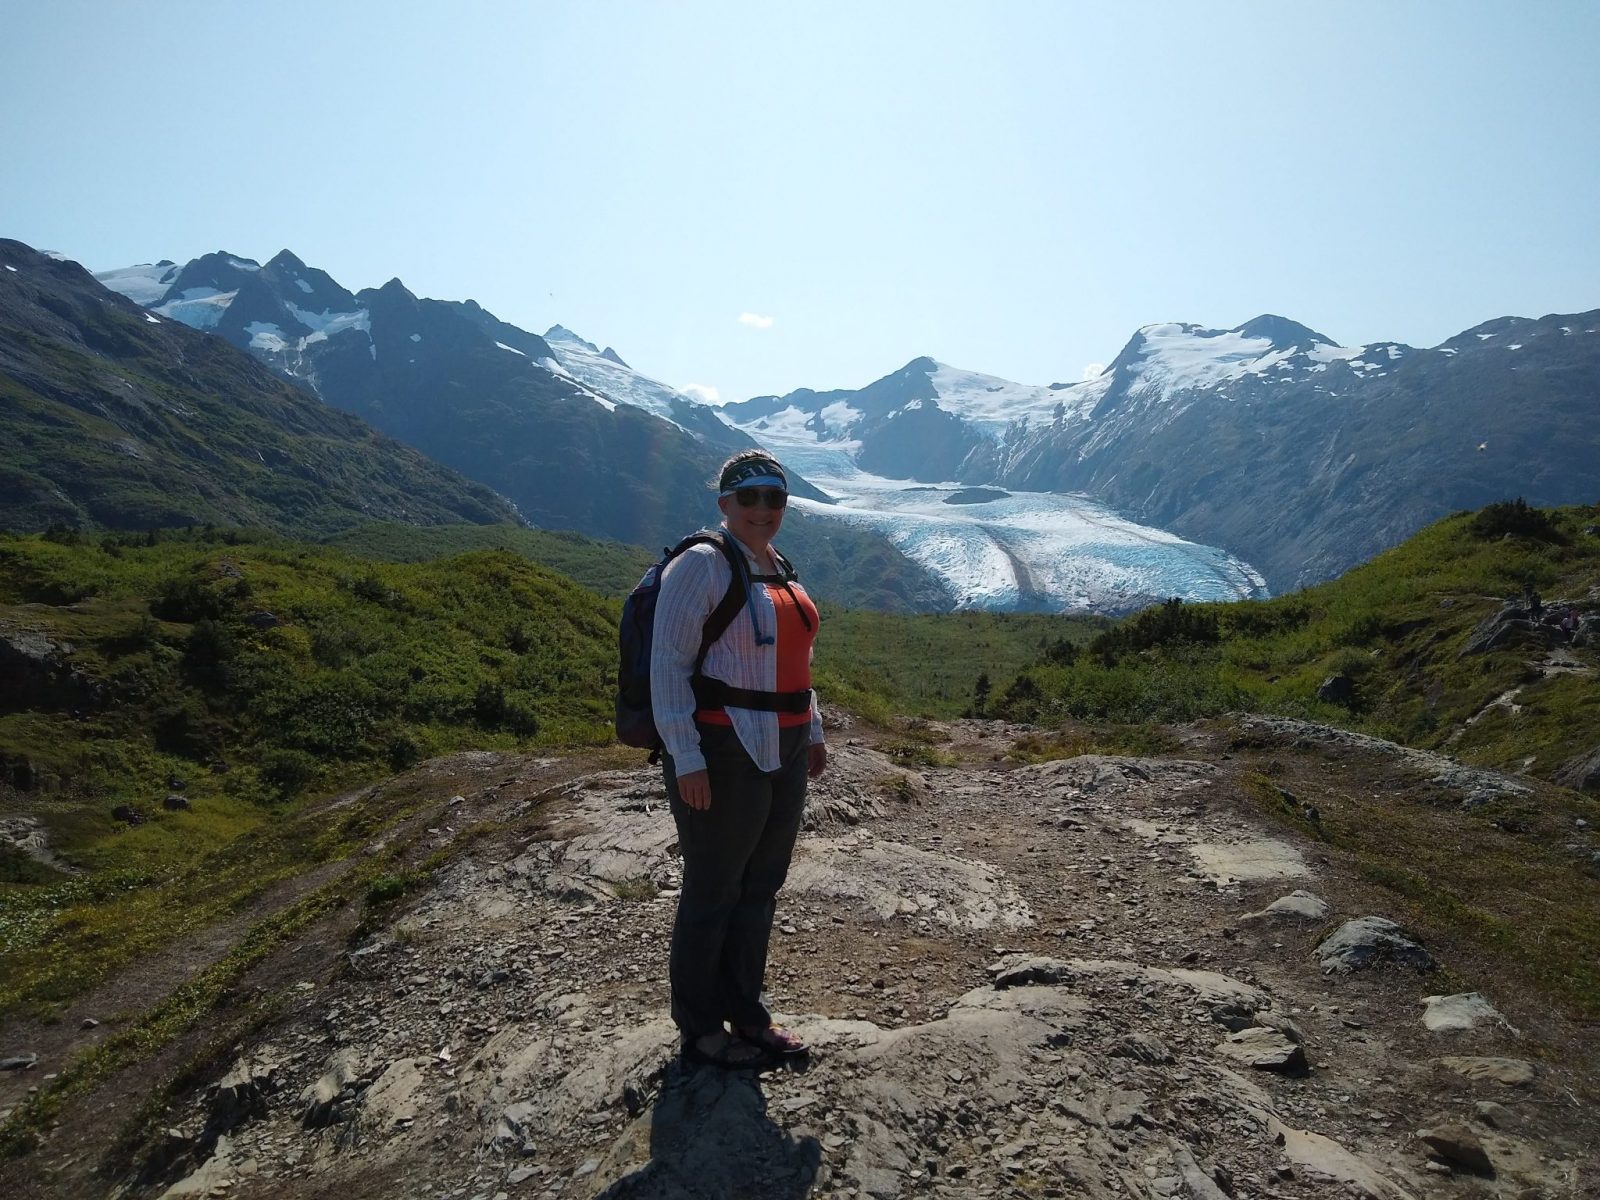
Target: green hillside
[(1397, 628), (248, 675), (610, 568)]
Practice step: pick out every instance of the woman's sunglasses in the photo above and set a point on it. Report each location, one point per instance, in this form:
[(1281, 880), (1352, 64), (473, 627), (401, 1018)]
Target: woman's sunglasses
[(771, 497)]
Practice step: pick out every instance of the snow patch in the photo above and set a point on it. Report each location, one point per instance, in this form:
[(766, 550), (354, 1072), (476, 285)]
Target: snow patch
[(555, 368), (606, 381), (199, 308), (513, 349), (1484, 337), (266, 336), (9, 267), (993, 404), (1514, 346), (303, 286), (416, 337), (144, 283), (324, 325), (152, 319)]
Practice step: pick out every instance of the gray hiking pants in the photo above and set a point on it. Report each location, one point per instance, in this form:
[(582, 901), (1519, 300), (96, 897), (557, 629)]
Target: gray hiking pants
[(735, 858)]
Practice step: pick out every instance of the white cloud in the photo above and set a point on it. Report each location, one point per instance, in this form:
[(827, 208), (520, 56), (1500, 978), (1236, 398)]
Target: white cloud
[(755, 320), (702, 392), (1093, 371)]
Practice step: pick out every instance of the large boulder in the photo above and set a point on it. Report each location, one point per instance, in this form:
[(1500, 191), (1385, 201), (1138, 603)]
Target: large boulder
[(1581, 773), (1513, 625)]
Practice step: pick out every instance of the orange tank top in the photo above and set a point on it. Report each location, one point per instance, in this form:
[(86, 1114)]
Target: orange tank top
[(794, 638)]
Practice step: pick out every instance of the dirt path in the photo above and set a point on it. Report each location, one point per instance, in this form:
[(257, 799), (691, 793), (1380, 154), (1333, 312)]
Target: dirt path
[(1032, 981)]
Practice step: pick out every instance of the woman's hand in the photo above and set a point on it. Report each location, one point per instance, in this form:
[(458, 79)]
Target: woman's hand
[(816, 759), (694, 789)]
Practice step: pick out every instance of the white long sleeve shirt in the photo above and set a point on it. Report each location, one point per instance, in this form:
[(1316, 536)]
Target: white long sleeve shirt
[(691, 587)]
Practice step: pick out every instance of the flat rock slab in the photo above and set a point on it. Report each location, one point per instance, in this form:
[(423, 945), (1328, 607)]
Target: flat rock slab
[(1513, 1072), (1368, 941), (1452, 1014), (1240, 862), (1091, 774), (892, 879), (1323, 1158)]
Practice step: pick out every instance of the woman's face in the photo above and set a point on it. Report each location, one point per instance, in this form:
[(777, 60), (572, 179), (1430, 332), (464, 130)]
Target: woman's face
[(756, 525)]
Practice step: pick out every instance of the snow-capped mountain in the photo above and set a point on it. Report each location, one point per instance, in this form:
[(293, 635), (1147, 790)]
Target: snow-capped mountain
[(1308, 458), (574, 436), (474, 392), (604, 373), (1269, 439), (117, 418)]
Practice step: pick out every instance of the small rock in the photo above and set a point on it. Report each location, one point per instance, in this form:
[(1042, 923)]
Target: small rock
[(1513, 1072), (1233, 1015), (1495, 1116), (1367, 941), (89, 1023), (1265, 1050), (1458, 1146), (175, 803), (1337, 689), (19, 1062), (1143, 1047), (1298, 905), (1451, 1014), (1281, 1023)]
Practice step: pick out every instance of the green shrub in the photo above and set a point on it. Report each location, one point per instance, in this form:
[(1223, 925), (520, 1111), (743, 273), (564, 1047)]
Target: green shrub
[(1515, 518), (289, 772)]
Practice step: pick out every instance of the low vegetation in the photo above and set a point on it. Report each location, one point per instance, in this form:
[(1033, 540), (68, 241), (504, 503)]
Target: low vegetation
[(610, 568), (1395, 628), (189, 694)]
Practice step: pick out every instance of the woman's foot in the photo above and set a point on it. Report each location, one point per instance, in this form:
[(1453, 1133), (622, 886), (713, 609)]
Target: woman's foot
[(775, 1040), (725, 1051)]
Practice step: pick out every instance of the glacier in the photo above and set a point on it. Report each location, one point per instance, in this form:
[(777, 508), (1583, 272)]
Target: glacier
[(1020, 551)]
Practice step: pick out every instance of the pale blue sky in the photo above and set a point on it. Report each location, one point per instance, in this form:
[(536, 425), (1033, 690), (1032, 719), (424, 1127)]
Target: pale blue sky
[(1008, 187)]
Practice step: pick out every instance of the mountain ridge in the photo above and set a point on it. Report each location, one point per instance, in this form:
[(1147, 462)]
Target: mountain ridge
[(1227, 436), (120, 419)]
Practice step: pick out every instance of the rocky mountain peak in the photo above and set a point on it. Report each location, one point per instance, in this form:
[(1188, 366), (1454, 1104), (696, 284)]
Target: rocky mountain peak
[(560, 333), (1283, 333), (219, 271), (286, 260), (611, 355)]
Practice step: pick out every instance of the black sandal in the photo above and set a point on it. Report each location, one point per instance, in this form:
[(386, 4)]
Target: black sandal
[(732, 1054)]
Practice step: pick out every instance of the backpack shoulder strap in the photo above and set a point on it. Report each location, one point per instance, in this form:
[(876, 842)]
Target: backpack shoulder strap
[(785, 567), (732, 600)]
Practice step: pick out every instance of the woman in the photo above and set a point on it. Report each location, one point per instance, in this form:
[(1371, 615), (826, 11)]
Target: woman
[(740, 739)]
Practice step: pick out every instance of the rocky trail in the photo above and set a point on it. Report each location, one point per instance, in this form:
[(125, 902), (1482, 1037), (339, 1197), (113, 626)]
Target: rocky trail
[(1096, 976)]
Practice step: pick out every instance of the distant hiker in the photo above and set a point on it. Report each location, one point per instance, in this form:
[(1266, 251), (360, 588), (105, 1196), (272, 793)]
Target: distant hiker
[(741, 739)]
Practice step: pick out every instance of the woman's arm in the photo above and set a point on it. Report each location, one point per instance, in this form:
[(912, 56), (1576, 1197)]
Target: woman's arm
[(691, 586)]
